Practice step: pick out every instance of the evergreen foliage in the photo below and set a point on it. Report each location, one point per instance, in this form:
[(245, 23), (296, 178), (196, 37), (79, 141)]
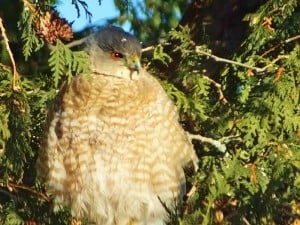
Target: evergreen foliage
[(251, 105)]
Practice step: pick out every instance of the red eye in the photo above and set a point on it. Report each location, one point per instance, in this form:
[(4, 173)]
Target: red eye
[(116, 55)]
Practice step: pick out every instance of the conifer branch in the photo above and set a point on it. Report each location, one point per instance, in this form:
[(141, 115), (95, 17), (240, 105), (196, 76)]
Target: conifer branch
[(14, 68), (12, 186), (219, 89)]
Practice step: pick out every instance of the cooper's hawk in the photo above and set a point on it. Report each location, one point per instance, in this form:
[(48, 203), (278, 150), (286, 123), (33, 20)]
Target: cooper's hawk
[(114, 150)]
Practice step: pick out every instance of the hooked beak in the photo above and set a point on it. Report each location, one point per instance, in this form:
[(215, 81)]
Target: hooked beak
[(135, 64)]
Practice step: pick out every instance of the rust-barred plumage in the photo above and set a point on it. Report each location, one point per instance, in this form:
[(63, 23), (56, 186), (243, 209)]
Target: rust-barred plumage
[(114, 148)]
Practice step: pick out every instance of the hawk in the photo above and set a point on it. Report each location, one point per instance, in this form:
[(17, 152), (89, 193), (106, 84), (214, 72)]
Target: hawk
[(114, 150)]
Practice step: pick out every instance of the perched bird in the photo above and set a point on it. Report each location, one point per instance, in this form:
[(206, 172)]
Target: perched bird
[(114, 150)]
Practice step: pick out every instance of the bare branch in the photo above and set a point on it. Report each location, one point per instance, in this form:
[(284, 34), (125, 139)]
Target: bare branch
[(149, 48), (5, 67), (14, 69), (245, 220), (257, 69), (219, 89), (281, 43), (85, 6), (216, 143), (220, 144), (77, 42), (189, 195), (152, 47), (30, 6), (220, 59), (291, 39), (12, 186), (275, 60)]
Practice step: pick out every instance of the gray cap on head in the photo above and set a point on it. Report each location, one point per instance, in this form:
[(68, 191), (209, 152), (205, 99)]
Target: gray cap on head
[(114, 40)]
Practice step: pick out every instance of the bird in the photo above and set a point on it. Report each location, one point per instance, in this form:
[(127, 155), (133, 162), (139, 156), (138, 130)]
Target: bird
[(114, 151)]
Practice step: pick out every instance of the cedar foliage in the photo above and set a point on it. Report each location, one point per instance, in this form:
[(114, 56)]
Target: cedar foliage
[(252, 108)]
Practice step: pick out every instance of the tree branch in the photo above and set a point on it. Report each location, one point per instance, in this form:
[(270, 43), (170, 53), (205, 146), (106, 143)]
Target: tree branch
[(281, 43), (291, 39), (12, 186), (30, 6), (14, 68), (77, 42), (220, 144), (220, 59), (218, 86), (6, 67), (257, 69), (149, 48)]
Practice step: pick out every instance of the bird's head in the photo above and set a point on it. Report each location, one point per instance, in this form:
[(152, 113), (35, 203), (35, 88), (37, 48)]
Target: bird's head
[(114, 52)]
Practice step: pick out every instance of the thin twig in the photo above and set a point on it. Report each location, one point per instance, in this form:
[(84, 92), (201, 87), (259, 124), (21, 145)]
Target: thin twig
[(216, 143), (281, 43), (275, 60), (220, 144), (245, 220), (152, 47), (30, 6), (6, 67), (14, 68), (192, 191), (29, 189), (257, 69), (77, 42), (270, 50), (291, 39), (149, 48), (220, 59), (189, 195), (219, 89)]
